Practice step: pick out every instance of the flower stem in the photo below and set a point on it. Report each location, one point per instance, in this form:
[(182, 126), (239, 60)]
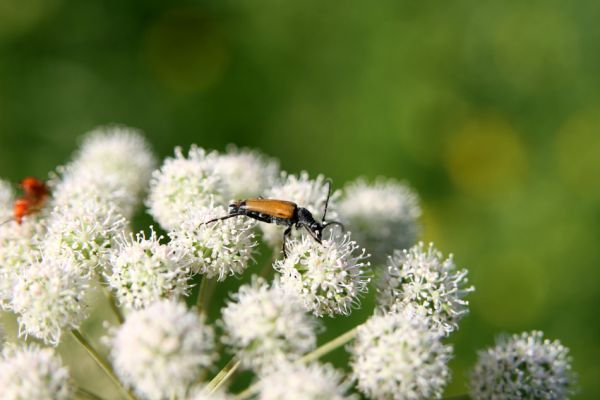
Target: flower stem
[(329, 346), (312, 356), (224, 374), (87, 394), (101, 362), (113, 305), (202, 294)]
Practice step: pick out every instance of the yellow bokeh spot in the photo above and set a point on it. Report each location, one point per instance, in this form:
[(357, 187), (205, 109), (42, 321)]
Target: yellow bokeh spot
[(186, 50), (577, 149), (486, 157)]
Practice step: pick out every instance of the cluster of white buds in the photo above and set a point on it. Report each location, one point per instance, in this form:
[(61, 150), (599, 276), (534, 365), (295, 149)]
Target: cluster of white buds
[(164, 349), (144, 271), (524, 366), (33, 373), (161, 350), (264, 323), (329, 277), (420, 278), (382, 216)]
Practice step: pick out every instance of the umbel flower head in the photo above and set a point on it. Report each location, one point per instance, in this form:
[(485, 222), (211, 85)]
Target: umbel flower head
[(218, 249), (246, 173), (308, 193), (182, 184), (117, 158), (263, 323), (7, 196), (382, 216), (83, 236), (19, 249), (144, 271), (328, 277), (293, 381), (524, 366), (49, 297), (160, 350), (397, 356), (33, 373), (422, 278)]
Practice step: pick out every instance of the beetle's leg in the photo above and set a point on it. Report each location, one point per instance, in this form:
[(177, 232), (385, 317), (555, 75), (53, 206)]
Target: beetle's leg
[(312, 233), (286, 234), (220, 218)]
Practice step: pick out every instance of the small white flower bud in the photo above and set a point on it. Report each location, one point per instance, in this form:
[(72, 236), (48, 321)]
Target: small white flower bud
[(33, 373), (292, 381), (263, 324), (397, 356), (329, 277), (183, 184), (246, 173), (524, 366), (219, 249), (421, 278), (144, 271), (382, 216), (49, 298), (160, 350)]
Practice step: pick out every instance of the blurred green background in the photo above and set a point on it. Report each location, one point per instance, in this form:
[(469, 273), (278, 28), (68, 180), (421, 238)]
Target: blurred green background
[(491, 110)]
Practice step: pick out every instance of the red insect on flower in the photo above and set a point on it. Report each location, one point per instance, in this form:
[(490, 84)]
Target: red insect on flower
[(35, 193)]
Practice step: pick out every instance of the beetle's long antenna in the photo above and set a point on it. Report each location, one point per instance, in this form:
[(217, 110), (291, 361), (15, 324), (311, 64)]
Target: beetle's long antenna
[(219, 219), (326, 200)]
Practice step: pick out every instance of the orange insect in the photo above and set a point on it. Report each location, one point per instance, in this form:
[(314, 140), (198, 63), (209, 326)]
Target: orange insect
[(35, 193)]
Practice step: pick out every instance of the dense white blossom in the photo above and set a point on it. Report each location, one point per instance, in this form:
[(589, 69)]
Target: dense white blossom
[(263, 323), (182, 184), (7, 197), (49, 297), (84, 236), (422, 278), (329, 277), (397, 356), (218, 249), (308, 193), (144, 271), (382, 216), (33, 373), (294, 381), (524, 366), (203, 392), (246, 173), (19, 249), (160, 350)]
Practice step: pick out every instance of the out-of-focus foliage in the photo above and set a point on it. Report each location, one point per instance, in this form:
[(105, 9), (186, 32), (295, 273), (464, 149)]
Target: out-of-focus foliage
[(490, 110)]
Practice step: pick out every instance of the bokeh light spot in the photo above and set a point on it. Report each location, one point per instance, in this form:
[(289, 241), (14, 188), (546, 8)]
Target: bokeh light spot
[(486, 157)]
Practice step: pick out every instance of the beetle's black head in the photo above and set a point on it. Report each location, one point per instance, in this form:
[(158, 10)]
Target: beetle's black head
[(234, 208), (316, 228)]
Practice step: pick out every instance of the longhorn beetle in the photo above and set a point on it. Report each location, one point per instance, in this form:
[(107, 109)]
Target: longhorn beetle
[(281, 212)]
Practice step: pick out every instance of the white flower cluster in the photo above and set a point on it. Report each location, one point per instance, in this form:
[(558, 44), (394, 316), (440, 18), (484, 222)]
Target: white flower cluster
[(524, 366), (49, 297), (329, 277), (144, 271), (161, 350), (382, 216), (290, 381), (7, 197), (33, 373), (398, 356), (264, 323), (421, 278), (219, 249), (308, 193)]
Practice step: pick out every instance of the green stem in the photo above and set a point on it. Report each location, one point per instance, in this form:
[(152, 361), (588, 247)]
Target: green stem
[(329, 346), (87, 394), (111, 299), (223, 374), (312, 356), (102, 363), (202, 295)]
